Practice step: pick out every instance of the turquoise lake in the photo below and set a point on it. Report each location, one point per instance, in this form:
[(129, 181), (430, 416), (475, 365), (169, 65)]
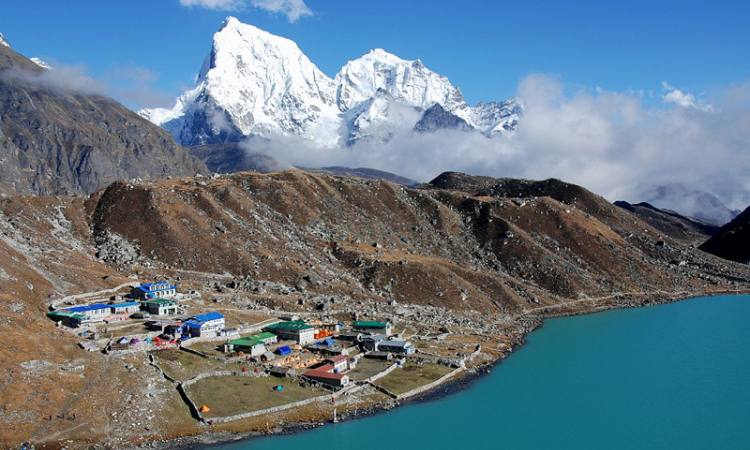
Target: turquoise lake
[(673, 376)]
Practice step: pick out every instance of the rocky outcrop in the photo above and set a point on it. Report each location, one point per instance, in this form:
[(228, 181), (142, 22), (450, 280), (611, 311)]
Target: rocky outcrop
[(438, 118)]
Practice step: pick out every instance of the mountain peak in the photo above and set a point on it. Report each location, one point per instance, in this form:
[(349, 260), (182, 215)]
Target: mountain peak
[(230, 21), (407, 81), (252, 83), (382, 54)]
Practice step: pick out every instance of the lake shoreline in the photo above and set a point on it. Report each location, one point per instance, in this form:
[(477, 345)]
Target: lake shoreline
[(524, 326)]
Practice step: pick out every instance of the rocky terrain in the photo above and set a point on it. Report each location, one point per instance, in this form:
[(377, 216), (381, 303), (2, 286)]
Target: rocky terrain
[(732, 241), (685, 229), (60, 138), (478, 256)]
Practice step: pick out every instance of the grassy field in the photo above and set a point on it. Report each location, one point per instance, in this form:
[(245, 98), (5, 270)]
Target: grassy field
[(182, 365), (226, 396), (215, 348), (367, 367), (411, 377)]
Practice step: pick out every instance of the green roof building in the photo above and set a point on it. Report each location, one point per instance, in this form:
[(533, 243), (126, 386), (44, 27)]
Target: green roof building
[(254, 345), (293, 330), (373, 327), (67, 318), (292, 325), (160, 306)]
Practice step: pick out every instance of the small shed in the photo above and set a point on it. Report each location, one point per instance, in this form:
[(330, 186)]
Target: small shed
[(284, 350)]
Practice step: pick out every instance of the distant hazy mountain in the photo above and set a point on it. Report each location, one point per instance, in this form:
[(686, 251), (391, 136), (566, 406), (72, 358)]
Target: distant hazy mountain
[(55, 139), (254, 83), (675, 225), (689, 202)]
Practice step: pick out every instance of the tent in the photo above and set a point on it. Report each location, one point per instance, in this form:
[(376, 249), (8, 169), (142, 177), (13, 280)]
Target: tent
[(284, 350)]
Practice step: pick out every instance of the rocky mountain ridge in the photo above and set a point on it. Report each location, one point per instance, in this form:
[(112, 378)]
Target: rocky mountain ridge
[(685, 229), (56, 139)]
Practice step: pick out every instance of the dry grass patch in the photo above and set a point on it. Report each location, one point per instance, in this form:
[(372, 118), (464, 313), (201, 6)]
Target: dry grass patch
[(367, 367), (412, 376), (181, 365), (226, 396)]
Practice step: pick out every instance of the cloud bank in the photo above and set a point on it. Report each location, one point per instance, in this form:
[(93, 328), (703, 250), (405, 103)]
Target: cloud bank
[(292, 9), (617, 144), (129, 84)]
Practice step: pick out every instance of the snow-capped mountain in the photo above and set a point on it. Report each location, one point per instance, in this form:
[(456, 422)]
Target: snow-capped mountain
[(41, 63), (496, 117), (253, 83), (438, 118), (256, 83), (378, 118), (406, 81), (3, 42), (690, 202)]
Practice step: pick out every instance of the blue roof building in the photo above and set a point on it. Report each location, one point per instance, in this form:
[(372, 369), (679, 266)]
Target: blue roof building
[(206, 324), (90, 313), (157, 289), (125, 307)]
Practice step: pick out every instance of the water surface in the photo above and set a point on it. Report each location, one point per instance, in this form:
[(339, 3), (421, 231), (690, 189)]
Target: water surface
[(674, 376)]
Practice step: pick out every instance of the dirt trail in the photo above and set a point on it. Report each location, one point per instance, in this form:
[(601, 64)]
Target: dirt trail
[(593, 300)]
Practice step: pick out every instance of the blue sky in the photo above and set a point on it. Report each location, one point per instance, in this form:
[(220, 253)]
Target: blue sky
[(484, 47)]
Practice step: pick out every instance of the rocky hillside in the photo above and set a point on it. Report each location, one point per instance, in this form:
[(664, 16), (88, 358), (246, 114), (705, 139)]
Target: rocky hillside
[(494, 245), (732, 241), (675, 225), (56, 139)]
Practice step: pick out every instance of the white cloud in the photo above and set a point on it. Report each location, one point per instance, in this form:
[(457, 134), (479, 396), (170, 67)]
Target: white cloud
[(616, 144), (224, 5), (61, 78), (292, 9), (683, 99), (133, 86)]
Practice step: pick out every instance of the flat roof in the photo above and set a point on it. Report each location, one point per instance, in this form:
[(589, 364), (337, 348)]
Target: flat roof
[(157, 285), (293, 325), (370, 324), (124, 304), (62, 314), (249, 341), (85, 308), (160, 301), (205, 317)]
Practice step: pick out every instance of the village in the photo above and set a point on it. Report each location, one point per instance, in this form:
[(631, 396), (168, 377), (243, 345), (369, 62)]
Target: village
[(226, 369)]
